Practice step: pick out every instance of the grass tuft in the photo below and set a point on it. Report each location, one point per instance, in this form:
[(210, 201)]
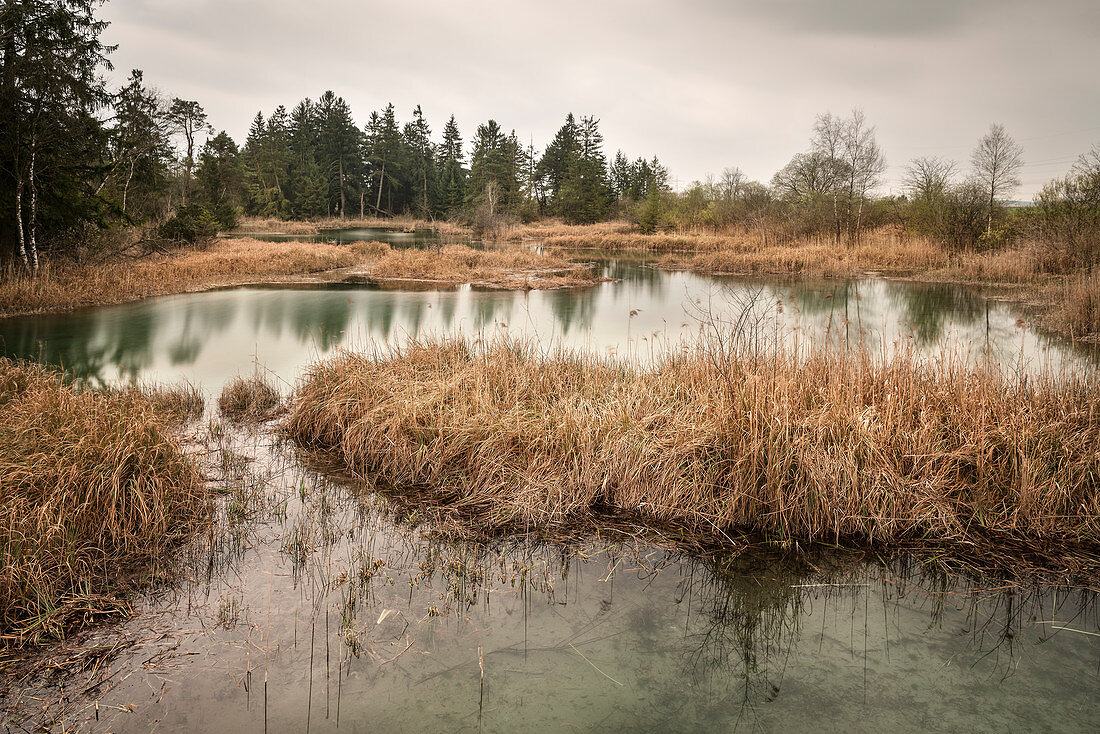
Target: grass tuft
[(250, 400), (94, 488)]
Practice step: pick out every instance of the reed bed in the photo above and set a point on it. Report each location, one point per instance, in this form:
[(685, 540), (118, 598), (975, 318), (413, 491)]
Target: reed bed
[(250, 400), (882, 254), (1079, 314), (270, 225), (510, 268), (94, 488), (553, 228), (812, 446), (66, 286)]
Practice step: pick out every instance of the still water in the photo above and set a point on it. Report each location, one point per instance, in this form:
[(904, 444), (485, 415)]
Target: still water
[(335, 614), (394, 237), (208, 337), (323, 605)]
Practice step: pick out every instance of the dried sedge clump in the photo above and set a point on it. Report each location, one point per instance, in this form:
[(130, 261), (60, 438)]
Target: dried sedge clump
[(94, 488), (182, 403), (250, 400), (823, 446)]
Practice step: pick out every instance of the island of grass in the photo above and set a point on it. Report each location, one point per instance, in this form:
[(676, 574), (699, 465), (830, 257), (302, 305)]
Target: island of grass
[(819, 447)]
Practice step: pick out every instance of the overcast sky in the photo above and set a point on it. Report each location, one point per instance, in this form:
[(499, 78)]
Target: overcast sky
[(703, 84)]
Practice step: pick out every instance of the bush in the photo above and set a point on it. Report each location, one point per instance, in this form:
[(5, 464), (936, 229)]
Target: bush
[(190, 223)]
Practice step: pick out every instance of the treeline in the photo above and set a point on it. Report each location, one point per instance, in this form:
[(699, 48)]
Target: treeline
[(830, 191), (77, 158), (315, 162)]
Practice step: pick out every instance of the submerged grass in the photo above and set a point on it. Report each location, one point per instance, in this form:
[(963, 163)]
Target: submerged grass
[(818, 446), (94, 487)]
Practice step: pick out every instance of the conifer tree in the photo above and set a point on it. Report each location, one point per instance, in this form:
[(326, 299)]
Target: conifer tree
[(452, 173)]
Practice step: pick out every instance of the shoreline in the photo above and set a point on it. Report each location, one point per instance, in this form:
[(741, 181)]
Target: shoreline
[(230, 263), (834, 450)]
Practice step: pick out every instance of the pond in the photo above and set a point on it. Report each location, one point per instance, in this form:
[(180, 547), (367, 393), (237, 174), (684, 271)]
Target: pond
[(325, 605), (207, 338), (335, 612)]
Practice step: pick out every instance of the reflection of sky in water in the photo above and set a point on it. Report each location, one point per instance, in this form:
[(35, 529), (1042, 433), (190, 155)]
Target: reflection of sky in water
[(208, 337), (594, 638)]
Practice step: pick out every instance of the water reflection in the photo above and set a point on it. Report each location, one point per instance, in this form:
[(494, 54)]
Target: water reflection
[(393, 237), (209, 337), (336, 614)]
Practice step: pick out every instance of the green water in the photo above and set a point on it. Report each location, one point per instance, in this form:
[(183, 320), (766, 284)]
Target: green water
[(322, 606), (375, 627), (208, 337)]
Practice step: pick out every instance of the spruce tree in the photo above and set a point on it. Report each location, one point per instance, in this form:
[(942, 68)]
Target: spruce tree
[(452, 172)]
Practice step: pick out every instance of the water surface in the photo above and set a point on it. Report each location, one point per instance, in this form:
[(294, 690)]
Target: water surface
[(326, 606), (208, 337)]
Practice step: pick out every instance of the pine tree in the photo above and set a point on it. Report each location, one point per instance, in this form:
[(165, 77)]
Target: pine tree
[(52, 143), (219, 179), (384, 151), (421, 156), (140, 151), (558, 159), (452, 172), (338, 151)]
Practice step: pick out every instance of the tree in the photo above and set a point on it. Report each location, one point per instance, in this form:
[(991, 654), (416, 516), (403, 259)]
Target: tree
[(219, 179), (339, 149), (928, 183), (140, 150), (385, 153), (452, 173), (188, 118), (1067, 211), (853, 166), (421, 157), (51, 141), (996, 161), (558, 159)]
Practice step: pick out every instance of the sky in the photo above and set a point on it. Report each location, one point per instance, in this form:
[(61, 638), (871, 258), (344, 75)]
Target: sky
[(702, 84)]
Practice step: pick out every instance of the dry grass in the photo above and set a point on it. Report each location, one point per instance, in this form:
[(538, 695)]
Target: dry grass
[(551, 229), (512, 268), (814, 447), (94, 487), (1079, 306), (250, 400), (883, 251), (64, 286), (182, 403), (269, 225)]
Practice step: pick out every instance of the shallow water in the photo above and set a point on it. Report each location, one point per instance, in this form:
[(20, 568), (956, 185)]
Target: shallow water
[(331, 613), (320, 605), (208, 337)]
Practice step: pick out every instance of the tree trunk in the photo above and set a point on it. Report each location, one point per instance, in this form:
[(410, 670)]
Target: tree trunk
[(343, 201), (989, 221), (33, 219), (126, 188), (381, 180), (19, 222)]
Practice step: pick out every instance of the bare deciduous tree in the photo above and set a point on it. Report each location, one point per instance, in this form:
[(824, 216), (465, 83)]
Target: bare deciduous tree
[(997, 161)]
